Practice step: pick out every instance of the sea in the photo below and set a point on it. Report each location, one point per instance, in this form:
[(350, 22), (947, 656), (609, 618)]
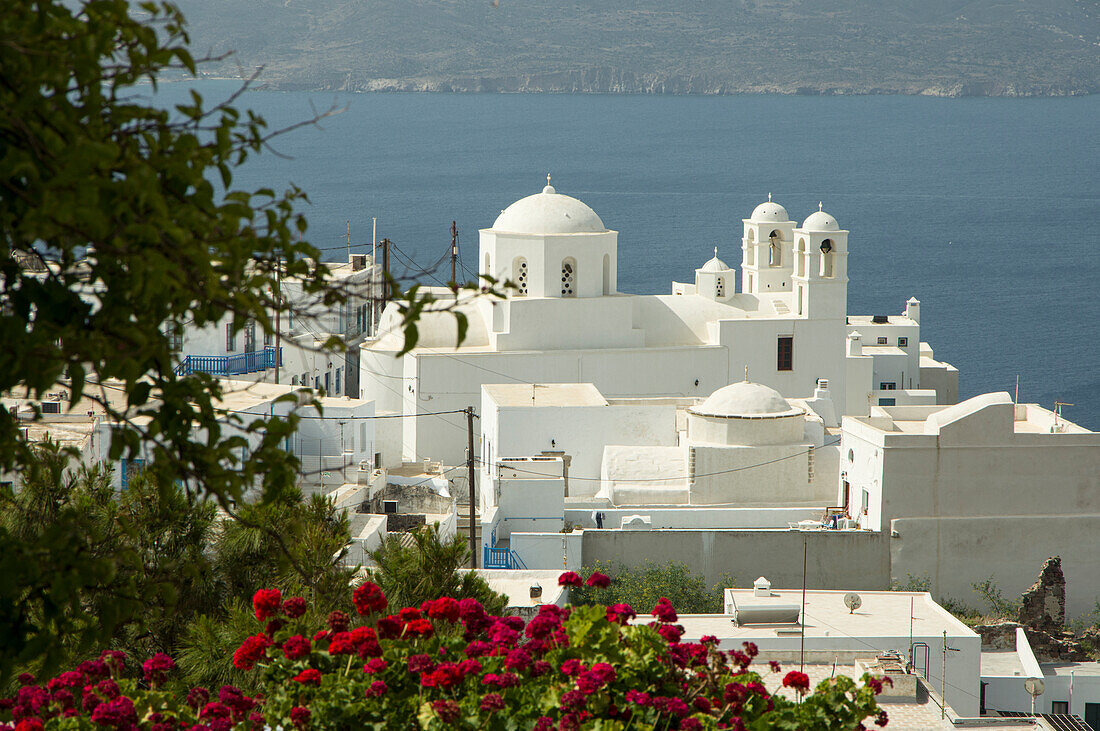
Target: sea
[(985, 209)]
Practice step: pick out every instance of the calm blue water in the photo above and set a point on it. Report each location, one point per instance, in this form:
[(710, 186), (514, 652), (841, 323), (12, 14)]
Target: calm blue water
[(987, 210)]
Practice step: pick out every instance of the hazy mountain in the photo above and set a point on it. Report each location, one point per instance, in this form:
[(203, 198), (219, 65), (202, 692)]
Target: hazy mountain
[(948, 47)]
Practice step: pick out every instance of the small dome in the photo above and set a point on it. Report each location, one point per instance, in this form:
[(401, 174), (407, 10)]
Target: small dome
[(820, 221), (549, 212), (769, 211), (715, 264), (746, 399)]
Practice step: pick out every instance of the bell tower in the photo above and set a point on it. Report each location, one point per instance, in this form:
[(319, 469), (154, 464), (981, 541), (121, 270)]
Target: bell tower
[(820, 267), (767, 250)]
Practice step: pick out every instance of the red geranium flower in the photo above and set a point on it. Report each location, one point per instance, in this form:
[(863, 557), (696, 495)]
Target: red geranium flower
[(309, 676), (338, 621), (444, 608), (296, 647), (300, 716), (250, 652), (267, 603), (598, 580), (294, 607), (570, 578), (368, 598), (157, 667), (799, 681), (664, 610), (491, 702)]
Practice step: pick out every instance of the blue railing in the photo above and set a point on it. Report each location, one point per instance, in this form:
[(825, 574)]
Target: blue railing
[(231, 365), (502, 558)]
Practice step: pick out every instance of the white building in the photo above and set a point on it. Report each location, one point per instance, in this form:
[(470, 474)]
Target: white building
[(566, 322), (304, 325), (984, 487)]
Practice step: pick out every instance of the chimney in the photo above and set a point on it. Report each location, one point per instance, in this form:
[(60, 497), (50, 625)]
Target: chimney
[(912, 309), (855, 343), (762, 587)]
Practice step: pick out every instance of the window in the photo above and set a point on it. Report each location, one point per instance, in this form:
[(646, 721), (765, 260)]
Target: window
[(130, 469), (519, 275), (881, 341), (607, 274), (317, 383), (784, 360), (887, 386), (269, 338), (1059, 707), (903, 342), (337, 384), (250, 337), (362, 436), (328, 381), (750, 251), (230, 338), (568, 277), (174, 332), (827, 258), (51, 407), (294, 380), (887, 402), (750, 283), (304, 380), (866, 503), (720, 287)]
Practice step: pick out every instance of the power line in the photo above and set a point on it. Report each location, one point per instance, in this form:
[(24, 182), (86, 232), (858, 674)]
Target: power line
[(681, 477)]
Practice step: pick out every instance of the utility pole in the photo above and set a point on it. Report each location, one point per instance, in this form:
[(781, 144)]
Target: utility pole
[(385, 273), (349, 241), (470, 479), (278, 312), (454, 253), (374, 273)]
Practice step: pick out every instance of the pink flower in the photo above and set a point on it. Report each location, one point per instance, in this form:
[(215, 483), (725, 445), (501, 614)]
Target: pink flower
[(338, 621), (71, 679), (517, 659), (491, 702), (774, 666), (570, 578), (197, 697), (296, 647), (375, 665), (671, 632), (157, 667), (420, 663), (267, 603), (470, 609), (691, 724), (309, 676), (572, 667), (638, 698), (798, 681), (294, 607), (368, 598), (376, 689), (119, 713)]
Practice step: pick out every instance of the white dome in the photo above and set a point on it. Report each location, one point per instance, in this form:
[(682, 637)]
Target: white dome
[(745, 399), (769, 211), (549, 212), (715, 265), (820, 221)]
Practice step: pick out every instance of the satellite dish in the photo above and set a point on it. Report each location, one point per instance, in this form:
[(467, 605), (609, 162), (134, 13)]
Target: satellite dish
[(1034, 686), (852, 601)]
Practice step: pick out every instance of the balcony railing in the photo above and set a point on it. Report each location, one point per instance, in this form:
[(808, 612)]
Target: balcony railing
[(502, 558), (231, 365)]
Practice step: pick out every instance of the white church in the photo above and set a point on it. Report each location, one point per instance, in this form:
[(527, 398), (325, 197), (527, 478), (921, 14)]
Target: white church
[(565, 321)]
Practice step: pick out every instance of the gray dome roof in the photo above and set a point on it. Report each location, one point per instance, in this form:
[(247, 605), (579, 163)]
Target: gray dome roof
[(549, 212)]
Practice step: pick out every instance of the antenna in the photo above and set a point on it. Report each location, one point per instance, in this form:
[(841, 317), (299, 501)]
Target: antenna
[(1016, 398)]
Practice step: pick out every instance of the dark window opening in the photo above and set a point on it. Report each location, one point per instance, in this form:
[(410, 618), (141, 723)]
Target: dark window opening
[(785, 353), (882, 341), (887, 386), (903, 342)]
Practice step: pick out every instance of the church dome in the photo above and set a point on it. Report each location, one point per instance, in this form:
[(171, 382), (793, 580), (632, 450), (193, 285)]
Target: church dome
[(715, 265), (746, 400), (769, 211), (820, 221), (549, 212)]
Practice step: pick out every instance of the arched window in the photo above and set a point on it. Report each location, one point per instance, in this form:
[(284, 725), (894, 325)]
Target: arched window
[(569, 277), (800, 299), (775, 249), (720, 287), (800, 259), (519, 275), (750, 250), (607, 274), (827, 255)]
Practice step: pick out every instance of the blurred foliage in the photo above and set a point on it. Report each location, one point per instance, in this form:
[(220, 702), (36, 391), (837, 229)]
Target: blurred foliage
[(641, 587)]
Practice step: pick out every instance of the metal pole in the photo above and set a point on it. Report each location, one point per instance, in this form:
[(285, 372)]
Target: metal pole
[(454, 252), (470, 479), (943, 680), (374, 272), (802, 641), (278, 312), (385, 271)]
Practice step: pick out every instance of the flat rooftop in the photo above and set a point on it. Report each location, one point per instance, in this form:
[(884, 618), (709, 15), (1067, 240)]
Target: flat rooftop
[(882, 614), (544, 394), (1002, 664)]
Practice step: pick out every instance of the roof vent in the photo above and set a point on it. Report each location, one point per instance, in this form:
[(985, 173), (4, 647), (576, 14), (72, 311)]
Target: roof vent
[(761, 587)]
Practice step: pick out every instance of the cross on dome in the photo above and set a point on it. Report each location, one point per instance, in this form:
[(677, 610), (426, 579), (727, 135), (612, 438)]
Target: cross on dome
[(769, 197), (549, 188), (715, 252), (746, 374), (819, 205)]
